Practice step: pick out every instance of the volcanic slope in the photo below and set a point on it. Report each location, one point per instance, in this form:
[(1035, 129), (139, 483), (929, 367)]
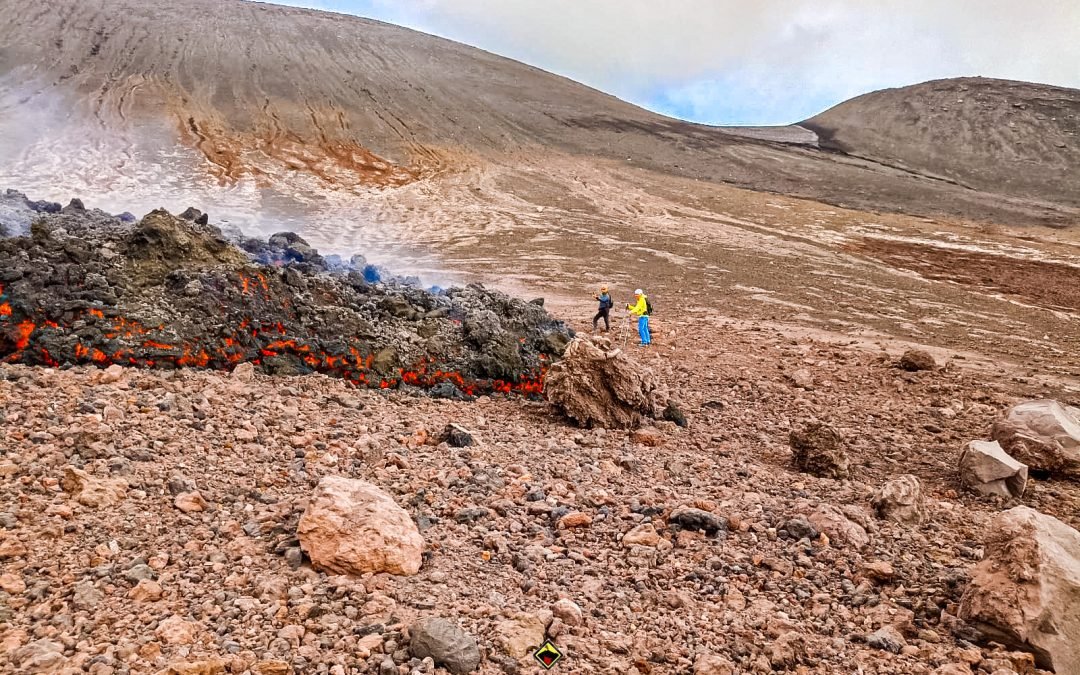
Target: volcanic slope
[(1015, 138), (271, 93)]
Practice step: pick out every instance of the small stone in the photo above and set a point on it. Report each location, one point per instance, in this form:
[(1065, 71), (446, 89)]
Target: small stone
[(710, 664), (887, 638), (901, 500), (642, 535), (568, 612), (802, 378), (294, 556), (647, 436), (818, 449), (878, 571), (10, 547), (147, 590), (575, 519), (800, 528), (210, 667), (190, 502), (245, 372), (446, 643), (111, 375), (139, 573), (12, 584), (352, 527), (86, 596), (697, 519), (458, 436), (917, 359), (40, 656), (519, 635), (93, 492), (176, 631)]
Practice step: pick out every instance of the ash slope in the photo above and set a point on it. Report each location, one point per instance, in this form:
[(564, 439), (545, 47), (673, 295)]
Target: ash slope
[(264, 91), (1016, 138)]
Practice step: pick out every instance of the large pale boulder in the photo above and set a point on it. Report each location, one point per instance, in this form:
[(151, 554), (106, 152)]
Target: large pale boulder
[(352, 527), (1045, 435), (987, 469), (901, 500), (597, 385), (1025, 593)]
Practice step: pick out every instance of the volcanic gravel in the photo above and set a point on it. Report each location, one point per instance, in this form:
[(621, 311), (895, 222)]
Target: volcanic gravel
[(535, 516)]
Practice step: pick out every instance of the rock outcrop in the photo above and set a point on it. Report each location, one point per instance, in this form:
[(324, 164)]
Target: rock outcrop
[(1025, 593), (818, 449), (353, 527), (597, 385), (1044, 434), (989, 470)]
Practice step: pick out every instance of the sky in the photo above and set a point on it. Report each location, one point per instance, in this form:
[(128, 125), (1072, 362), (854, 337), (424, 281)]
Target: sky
[(753, 61)]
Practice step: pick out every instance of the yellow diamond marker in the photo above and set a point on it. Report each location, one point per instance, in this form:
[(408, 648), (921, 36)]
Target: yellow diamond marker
[(548, 655)]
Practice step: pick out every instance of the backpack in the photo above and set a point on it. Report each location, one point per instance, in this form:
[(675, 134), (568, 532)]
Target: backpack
[(648, 307)]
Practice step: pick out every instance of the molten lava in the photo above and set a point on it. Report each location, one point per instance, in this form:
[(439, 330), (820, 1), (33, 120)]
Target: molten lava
[(23, 331), (147, 348)]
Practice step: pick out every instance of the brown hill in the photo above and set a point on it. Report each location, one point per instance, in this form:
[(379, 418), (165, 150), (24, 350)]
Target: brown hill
[(1013, 138), (263, 91)]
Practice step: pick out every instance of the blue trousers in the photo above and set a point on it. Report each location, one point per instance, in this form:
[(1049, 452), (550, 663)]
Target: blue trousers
[(643, 330)]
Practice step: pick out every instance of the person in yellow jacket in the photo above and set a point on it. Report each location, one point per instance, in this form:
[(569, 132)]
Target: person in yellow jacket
[(641, 310)]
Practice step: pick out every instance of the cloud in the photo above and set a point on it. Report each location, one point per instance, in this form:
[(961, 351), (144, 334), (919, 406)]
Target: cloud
[(717, 60)]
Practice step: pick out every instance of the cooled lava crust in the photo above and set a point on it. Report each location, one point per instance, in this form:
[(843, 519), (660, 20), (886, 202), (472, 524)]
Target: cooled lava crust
[(85, 287)]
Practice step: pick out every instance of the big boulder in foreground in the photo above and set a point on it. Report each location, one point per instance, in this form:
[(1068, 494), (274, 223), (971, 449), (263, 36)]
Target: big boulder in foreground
[(1044, 435), (353, 527), (1026, 592), (596, 385)]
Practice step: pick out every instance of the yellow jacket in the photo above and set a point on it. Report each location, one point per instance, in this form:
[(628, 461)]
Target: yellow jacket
[(640, 309)]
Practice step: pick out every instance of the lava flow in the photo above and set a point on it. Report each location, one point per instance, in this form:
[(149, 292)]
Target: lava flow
[(179, 296)]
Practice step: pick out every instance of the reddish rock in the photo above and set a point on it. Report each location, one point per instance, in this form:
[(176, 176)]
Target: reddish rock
[(190, 502), (596, 384), (575, 519), (176, 631), (352, 527), (93, 492), (1025, 593)]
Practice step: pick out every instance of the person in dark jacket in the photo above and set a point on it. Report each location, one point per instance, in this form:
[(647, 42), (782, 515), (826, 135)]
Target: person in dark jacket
[(606, 303)]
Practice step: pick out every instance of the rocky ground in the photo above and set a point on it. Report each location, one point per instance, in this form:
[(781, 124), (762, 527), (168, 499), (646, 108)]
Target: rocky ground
[(182, 550)]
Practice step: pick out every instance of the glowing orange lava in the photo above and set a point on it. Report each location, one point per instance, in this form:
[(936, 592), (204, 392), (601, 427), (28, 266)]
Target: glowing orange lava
[(128, 342), (23, 332)]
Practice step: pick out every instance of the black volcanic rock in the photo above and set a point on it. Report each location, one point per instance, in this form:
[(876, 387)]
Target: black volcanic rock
[(168, 292)]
